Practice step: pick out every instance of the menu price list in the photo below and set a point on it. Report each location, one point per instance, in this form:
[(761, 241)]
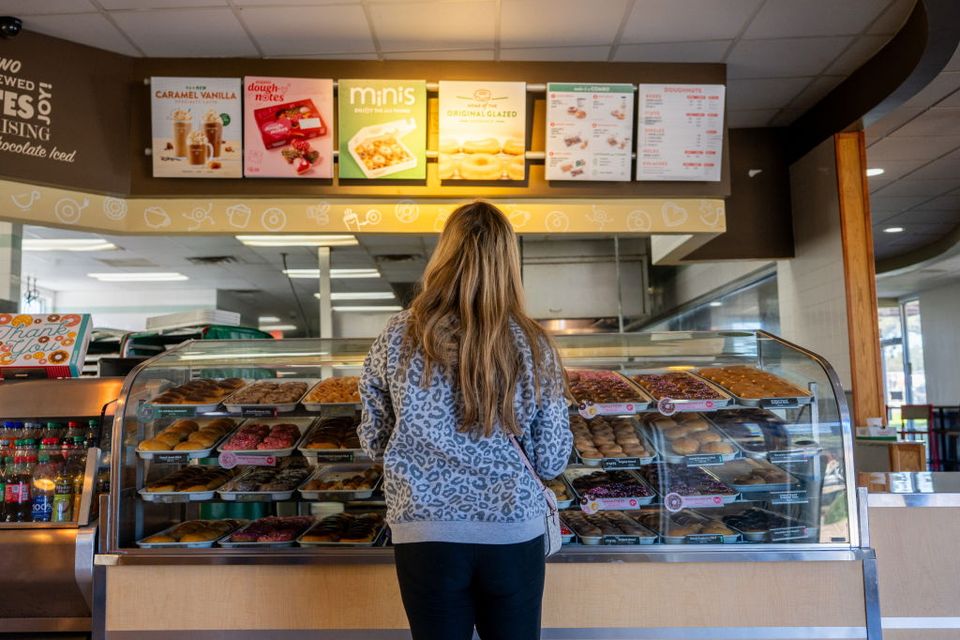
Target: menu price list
[(680, 132)]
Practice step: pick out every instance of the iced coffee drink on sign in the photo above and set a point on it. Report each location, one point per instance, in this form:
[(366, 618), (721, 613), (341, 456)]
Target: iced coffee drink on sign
[(199, 149), (213, 127), (182, 122)]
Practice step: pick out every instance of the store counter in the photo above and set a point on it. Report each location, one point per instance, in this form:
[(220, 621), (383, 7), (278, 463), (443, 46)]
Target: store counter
[(914, 519)]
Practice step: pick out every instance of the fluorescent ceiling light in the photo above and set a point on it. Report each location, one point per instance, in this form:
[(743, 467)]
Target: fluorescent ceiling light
[(334, 273), (263, 319), (360, 295), (359, 309), (67, 244), (893, 230), (874, 172), (278, 327), (146, 276), (716, 303), (298, 241)]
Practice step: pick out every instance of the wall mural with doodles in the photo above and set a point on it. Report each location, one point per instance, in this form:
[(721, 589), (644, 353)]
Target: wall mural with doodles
[(83, 211)]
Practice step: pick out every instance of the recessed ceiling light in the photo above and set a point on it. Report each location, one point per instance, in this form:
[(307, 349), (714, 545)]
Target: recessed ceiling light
[(360, 295), (263, 319), (358, 309), (716, 303), (334, 273), (893, 230), (298, 241), (278, 327), (67, 244), (146, 276), (874, 172)]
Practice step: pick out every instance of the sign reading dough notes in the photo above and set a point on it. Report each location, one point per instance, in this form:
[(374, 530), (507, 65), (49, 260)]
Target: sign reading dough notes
[(383, 129)]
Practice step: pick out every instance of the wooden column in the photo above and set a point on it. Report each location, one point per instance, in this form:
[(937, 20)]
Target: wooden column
[(859, 278)]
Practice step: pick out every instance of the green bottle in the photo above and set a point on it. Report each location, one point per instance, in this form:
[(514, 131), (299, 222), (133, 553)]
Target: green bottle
[(63, 498)]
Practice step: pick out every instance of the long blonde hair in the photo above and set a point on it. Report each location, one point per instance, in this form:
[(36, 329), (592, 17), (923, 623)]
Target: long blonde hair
[(471, 291)]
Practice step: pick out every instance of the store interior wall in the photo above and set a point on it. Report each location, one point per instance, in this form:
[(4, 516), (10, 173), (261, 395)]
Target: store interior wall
[(129, 309), (939, 311), (10, 261), (813, 306)]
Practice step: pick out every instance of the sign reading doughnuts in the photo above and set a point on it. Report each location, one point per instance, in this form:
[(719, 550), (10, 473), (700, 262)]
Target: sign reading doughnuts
[(482, 130), (383, 129), (53, 342)]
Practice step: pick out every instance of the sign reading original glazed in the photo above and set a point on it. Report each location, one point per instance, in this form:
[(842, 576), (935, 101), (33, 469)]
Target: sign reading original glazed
[(26, 115), (54, 342), (288, 128), (196, 127), (589, 131), (680, 131), (383, 129), (482, 130)]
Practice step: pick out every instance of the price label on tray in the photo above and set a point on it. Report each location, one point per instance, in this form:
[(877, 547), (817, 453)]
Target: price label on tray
[(332, 456), (592, 505), (675, 502), (780, 403), (259, 412), (620, 463), (703, 538), (787, 533), (704, 459), (789, 497), (621, 539), (170, 458), (173, 411), (668, 406), (796, 455), (229, 460), (590, 409)]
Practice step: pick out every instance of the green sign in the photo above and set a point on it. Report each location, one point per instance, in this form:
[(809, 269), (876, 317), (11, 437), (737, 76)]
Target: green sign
[(383, 129)]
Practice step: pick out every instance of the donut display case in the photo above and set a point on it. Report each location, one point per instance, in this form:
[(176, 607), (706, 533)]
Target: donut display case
[(719, 447)]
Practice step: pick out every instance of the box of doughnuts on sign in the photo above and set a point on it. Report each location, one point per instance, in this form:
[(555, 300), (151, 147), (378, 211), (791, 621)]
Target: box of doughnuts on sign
[(482, 131), (55, 343), (288, 127)]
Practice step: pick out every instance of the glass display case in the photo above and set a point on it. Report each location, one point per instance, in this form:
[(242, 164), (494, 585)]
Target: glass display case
[(721, 442)]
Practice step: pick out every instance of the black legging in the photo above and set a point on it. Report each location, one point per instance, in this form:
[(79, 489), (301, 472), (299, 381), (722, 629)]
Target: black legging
[(448, 588)]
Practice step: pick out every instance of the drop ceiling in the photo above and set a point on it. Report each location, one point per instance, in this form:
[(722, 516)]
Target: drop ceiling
[(782, 55)]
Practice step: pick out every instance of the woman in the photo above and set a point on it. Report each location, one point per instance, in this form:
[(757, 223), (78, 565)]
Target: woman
[(444, 388)]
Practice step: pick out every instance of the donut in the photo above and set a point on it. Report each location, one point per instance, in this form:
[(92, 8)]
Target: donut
[(487, 145), (445, 166), (513, 147), (686, 446), (59, 357), (449, 146), (517, 168), (717, 447), (480, 166)]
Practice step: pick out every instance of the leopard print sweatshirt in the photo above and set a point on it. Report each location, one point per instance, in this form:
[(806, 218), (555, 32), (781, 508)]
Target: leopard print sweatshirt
[(443, 485)]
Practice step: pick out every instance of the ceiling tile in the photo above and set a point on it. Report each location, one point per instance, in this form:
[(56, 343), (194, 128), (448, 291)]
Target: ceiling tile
[(919, 188), (893, 204), (889, 123), (750, 118), (787, 18), (185, 33), (88, 28), (709, 51), (424, 25), (309, 30), (938, 217), (815, 92), (785, 57), (861, 50), (940, 87), (22, 8), (557, 53), (911, 148), (893, 18), (535, 23), (288, 3), (679, 20), (455, 54), (935, 122), (892, 170), (763, 93), (948, 201), (943, 168), (139, 5), (785, 117)]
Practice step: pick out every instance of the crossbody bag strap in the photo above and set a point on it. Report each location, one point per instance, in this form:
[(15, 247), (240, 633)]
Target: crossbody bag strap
[(526, 463)]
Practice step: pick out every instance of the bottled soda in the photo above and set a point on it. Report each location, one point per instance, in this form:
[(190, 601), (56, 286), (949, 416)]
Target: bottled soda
[(62, 498), (55, 430), (92, 436), (44, 483), (74, 430), (17, 499)]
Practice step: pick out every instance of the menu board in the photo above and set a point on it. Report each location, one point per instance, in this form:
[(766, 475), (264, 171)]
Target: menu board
[(680, 132), (196, 127), (482, 130), (383, 129), (589, 131), (54, 342), (287, 128)]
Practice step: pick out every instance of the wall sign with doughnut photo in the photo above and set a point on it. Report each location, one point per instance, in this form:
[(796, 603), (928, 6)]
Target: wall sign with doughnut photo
[(483, 131), (53, 343)]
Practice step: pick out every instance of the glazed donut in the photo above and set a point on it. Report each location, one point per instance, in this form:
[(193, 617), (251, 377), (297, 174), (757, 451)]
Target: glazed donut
[(487, 145), (513, 146), (449, 146), (445, 166), (517, 168), (480, 166)]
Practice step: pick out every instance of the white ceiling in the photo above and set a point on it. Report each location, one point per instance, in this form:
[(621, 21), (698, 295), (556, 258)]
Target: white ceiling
[(782, 55)]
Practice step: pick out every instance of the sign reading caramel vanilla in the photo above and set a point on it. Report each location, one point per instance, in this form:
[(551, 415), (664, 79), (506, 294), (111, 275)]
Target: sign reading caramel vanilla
[(482, 130), (197, 131), (383, 129), (27, 114)]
